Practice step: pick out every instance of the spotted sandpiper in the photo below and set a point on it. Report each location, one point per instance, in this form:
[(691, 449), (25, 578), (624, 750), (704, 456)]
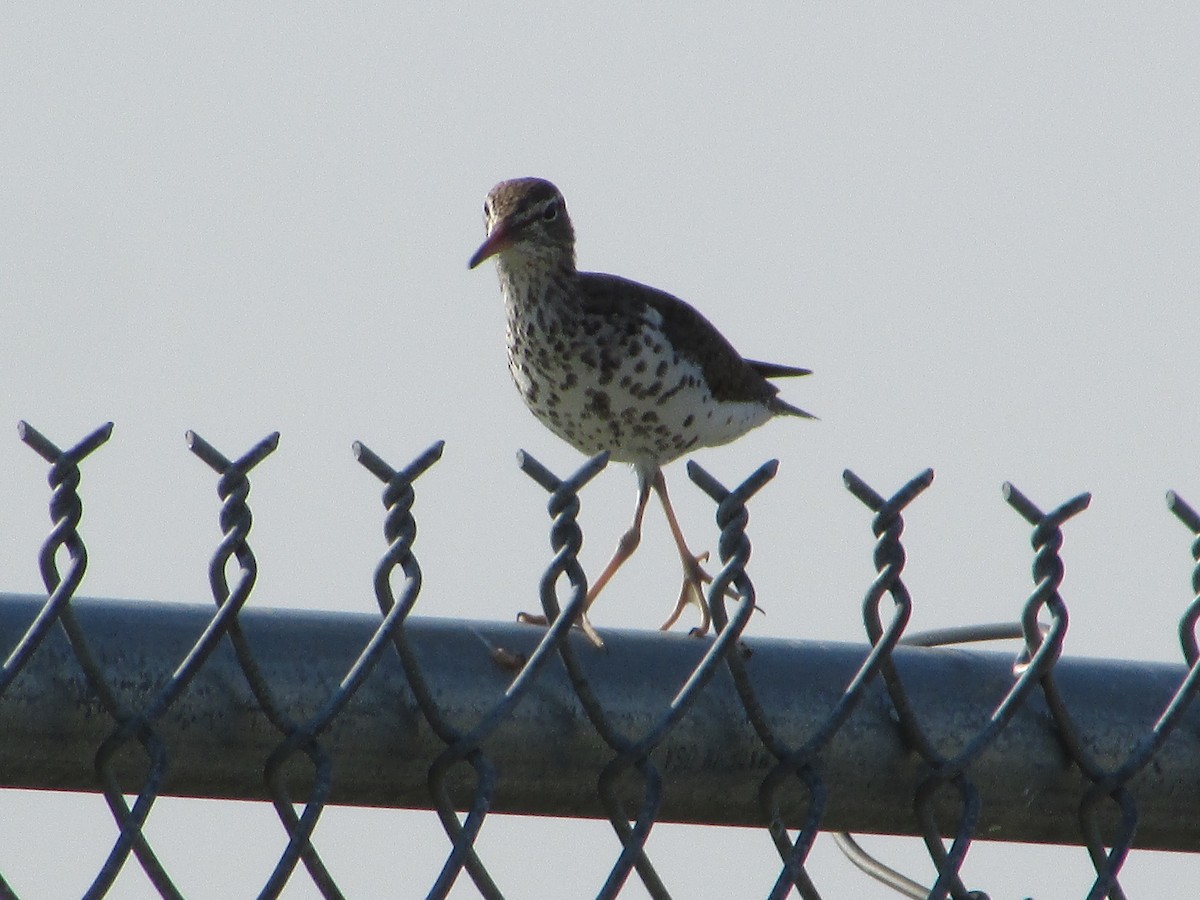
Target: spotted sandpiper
[(610, 364)]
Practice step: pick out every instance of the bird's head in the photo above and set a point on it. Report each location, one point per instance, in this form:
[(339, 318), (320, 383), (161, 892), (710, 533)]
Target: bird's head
[(526, 221)]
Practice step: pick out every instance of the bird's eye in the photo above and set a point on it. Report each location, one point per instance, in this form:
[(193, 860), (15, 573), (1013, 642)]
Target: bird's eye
[(487, 209), (550, 213)]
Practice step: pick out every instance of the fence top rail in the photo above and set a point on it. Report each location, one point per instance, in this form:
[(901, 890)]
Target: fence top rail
[(549, 754)]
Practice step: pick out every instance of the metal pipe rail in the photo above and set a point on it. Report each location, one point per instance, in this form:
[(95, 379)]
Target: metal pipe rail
[(549, 754)]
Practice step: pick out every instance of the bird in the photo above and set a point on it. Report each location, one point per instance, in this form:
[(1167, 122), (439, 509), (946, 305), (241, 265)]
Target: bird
[(609, 364)]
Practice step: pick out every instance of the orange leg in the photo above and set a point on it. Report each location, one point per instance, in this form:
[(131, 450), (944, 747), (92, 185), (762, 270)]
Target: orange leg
[(625, 547), (694, 577)]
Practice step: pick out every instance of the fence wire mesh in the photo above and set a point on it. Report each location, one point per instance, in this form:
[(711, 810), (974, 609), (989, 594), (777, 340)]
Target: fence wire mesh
[(469, 718)]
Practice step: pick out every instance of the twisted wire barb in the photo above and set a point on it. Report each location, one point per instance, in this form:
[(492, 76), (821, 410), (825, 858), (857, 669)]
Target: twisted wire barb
[(140, 725), (1047, 572), (734, 549), (1113, 785), (633, 755), (468, 747), (566, 540), (1041, 650), (1187, 624), (731, 517), (303, 738), (889, 559), (799, 761), (233, 487), (66, 509), (399, 530), (66, 512)]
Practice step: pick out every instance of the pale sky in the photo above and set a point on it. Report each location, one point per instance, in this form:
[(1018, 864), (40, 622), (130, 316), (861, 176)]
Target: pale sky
[(977, 224)]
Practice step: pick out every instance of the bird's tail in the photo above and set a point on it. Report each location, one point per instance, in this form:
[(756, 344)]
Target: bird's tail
[(783, 408), (775, 370)]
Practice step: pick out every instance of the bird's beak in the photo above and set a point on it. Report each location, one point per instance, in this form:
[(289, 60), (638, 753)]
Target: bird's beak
[(501, 238)]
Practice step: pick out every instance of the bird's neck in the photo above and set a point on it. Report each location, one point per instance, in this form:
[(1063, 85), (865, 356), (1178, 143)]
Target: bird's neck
[(538, 281)]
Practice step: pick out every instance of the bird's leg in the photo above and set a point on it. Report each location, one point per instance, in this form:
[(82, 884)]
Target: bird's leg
[(694, 577), (625, 547)]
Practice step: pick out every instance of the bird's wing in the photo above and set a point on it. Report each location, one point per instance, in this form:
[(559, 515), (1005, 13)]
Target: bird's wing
[(729, 376)]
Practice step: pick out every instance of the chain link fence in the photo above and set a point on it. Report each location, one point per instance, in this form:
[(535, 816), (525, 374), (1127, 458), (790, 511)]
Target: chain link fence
[(142, 700)]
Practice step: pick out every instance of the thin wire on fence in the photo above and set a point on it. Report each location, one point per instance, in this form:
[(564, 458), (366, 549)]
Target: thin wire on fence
[(796, 738)]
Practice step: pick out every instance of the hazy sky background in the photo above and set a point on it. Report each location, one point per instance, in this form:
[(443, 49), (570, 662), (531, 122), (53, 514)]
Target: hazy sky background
[(978, 224)]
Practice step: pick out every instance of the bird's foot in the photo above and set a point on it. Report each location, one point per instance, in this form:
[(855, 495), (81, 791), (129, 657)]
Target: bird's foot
[(584, 625), (692, 591), (694, 580)]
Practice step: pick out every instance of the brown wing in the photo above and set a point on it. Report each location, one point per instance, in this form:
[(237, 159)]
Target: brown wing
[(729, 376)]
